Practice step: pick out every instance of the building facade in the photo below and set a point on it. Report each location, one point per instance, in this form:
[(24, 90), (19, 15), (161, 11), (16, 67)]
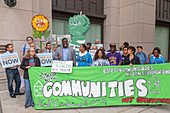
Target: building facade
[(139, 22)]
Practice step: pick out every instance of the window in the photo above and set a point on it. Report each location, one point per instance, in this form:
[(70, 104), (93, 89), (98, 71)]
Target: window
[(60, 27), (162, 40)]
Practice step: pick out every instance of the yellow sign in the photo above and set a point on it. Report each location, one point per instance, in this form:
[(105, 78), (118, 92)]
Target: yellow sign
[(40, 23)]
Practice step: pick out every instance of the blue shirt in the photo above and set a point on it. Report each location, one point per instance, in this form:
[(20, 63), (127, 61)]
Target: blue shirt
[(154, 60), (84, 59), (26, 47), (143, 58), (65, 53)]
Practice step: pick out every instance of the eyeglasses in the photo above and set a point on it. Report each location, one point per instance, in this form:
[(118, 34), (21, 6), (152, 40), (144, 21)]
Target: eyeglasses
[(155, 52)]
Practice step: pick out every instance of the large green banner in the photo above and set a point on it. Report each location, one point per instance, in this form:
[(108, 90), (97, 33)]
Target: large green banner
[(100, 86)]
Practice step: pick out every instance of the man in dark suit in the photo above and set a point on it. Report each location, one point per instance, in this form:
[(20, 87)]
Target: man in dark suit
[(65, 53)]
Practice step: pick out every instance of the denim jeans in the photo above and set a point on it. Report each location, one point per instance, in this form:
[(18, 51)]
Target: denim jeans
[(28, 95), (13, 74)]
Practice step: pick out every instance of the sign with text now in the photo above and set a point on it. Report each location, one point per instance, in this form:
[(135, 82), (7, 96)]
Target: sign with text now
[(100, 86), (46, 59), (9, 60)]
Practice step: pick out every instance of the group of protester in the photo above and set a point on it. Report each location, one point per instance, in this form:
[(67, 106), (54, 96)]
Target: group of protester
[(113, 57)]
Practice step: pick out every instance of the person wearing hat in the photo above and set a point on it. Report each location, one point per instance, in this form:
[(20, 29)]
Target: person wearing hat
[(88, 46), (142, 56), (114, 57)]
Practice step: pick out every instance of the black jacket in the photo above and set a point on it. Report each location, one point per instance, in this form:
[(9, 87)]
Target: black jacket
[(134, 61), (25, 63)]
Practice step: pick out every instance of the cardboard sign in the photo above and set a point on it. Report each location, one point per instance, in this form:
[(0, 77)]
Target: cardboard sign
[(9, 60), (60, 37), (46, 59), (62, 66)]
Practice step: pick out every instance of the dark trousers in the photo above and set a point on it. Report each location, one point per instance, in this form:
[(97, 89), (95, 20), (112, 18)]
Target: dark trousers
[(13, 74)]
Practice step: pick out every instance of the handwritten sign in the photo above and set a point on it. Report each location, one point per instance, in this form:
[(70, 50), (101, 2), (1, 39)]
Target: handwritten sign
[(62, 66), (9, 60), (46, 59), (101, 86), (92, 53), (60, 37)]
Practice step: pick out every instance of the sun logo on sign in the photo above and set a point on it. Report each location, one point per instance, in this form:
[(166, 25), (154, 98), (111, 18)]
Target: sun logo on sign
[(40, 23)]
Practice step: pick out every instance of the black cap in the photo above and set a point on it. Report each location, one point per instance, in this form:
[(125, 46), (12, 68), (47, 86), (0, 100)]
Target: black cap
[(112, 44)]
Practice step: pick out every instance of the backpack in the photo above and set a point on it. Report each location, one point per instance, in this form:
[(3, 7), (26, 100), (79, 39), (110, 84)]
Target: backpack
[(24, 49)]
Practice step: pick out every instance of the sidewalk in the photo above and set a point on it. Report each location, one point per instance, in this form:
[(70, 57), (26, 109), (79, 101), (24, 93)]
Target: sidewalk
[(16, 105)]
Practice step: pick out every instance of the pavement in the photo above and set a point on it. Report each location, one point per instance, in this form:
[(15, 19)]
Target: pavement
[(16, 105)]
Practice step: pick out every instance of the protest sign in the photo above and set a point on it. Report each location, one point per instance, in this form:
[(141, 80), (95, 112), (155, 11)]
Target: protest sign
[(78, 27), (46, 59), (60, 37), (98, 45), (62, 66), (52, 39), (100, 86), (9, 60), (92, 53)]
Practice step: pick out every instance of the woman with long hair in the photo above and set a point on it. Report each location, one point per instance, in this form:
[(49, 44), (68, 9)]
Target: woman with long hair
[(30, 60), (100, 59), (84, 57)]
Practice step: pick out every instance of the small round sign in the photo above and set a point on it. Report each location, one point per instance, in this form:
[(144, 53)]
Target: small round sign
[(40, 23)]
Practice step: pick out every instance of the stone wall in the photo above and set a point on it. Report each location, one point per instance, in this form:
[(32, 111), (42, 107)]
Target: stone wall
[(15, 23)]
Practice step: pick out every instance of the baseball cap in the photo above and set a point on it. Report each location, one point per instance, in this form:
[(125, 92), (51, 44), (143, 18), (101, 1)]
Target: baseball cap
[(112, 44)]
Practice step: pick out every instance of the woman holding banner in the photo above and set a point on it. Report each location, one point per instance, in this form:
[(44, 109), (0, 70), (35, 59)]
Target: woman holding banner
[(30, 60), (84, 57), (131, 59), (100, 59)]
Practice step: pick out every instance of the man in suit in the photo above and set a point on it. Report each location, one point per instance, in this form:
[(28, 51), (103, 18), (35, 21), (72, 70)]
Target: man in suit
[(49, 50), (65, 53)]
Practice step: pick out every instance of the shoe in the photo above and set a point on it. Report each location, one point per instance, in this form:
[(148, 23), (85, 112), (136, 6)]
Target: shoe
[(26, 107), (12, 96), (19, 93)]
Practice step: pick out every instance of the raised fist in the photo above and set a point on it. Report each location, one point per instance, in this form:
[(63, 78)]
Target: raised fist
[(78, 26)]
